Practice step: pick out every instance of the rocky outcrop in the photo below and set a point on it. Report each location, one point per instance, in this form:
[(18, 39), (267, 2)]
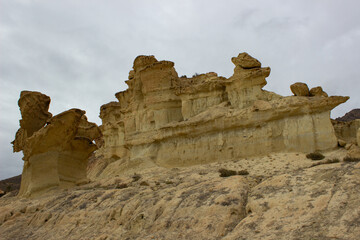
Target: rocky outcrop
[(55, 154), (172, 121)]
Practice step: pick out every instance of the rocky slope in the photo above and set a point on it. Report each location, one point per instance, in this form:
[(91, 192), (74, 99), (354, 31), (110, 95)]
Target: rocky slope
[(284, 196), (10, 184), (350, 116)]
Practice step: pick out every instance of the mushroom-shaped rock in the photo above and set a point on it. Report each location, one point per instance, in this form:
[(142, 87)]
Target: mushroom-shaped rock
[(56, 154), (244, 60), (300, 89), (318, 92)]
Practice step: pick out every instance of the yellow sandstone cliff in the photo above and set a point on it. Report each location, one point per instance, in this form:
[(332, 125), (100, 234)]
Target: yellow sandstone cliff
[(172, 121)]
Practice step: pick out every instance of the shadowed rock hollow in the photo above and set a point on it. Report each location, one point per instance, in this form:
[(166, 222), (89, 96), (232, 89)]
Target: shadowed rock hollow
[(155, 173)]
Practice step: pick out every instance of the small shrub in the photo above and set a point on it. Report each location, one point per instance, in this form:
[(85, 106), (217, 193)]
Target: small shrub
[(315, 156), (195, 75), (82, 206), (143, 183), (227, 173), (243, 172), (122, 185), (136, 177), (8, 188), (351, 159)]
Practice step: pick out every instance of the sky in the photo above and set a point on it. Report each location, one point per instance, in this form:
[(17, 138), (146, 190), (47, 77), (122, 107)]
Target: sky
[(79, 52)]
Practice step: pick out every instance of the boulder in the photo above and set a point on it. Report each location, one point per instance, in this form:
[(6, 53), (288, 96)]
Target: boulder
[(318, 92), (246, 61), (300, 89)]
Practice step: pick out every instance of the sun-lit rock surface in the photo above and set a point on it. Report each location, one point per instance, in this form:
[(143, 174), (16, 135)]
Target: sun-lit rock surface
[(55, 154), (174, 121), (300, 89), (34, 108)]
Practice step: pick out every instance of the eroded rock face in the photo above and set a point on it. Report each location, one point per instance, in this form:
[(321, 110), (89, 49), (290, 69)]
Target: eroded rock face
[(55, 154), (174, 121), (34, 108)]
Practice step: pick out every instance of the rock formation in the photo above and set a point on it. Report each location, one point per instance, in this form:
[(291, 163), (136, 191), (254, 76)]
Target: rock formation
[(56, 148), (174, 121), (137, 190)]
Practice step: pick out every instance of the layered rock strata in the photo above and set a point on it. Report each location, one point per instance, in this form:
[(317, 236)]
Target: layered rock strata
[(56, 148), (174, 121)]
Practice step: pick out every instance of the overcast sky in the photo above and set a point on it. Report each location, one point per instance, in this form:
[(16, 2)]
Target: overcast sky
[(80, 52)]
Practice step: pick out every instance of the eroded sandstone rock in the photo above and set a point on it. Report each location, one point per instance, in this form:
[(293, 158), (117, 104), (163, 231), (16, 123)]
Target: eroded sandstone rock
[(318, 91), (174, 121), (55, 154), (300, 89), (34, 108)]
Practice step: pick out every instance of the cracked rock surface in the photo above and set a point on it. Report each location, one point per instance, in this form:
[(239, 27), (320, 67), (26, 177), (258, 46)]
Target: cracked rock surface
[(284, 196)]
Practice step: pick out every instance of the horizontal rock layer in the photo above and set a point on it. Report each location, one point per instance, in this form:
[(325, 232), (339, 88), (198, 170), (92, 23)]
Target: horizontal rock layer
[(184, 121)]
